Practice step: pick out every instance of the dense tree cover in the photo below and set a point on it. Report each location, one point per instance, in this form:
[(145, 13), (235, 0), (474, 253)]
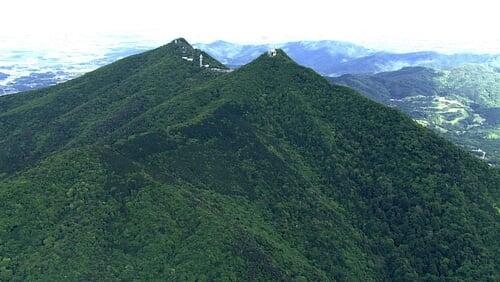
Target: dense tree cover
[(462, 104), (154, 168)]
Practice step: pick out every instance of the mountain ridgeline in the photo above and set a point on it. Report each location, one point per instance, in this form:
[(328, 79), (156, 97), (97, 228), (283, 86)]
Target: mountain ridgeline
[(154, 168)]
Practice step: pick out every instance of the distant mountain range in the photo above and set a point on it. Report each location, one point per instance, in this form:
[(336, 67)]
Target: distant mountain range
[(461, 103), (319, 55), (334, 58)]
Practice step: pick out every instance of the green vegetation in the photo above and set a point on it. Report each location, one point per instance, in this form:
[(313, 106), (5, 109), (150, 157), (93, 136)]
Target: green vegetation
[(153, 168), (461, 104), (478, 83)]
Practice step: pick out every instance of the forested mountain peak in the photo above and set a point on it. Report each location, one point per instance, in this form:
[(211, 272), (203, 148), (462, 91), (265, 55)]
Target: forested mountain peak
[(86, 109)]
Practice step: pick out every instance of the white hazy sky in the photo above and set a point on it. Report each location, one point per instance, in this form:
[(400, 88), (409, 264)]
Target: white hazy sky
[(399, 25)]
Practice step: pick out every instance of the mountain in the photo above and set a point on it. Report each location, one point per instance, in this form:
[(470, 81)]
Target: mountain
[(322, 56), (335, 58), (384, 62), (154, 168), (462, 104)]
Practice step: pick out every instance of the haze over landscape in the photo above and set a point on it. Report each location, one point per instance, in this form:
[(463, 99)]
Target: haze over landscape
[(403, 26)]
